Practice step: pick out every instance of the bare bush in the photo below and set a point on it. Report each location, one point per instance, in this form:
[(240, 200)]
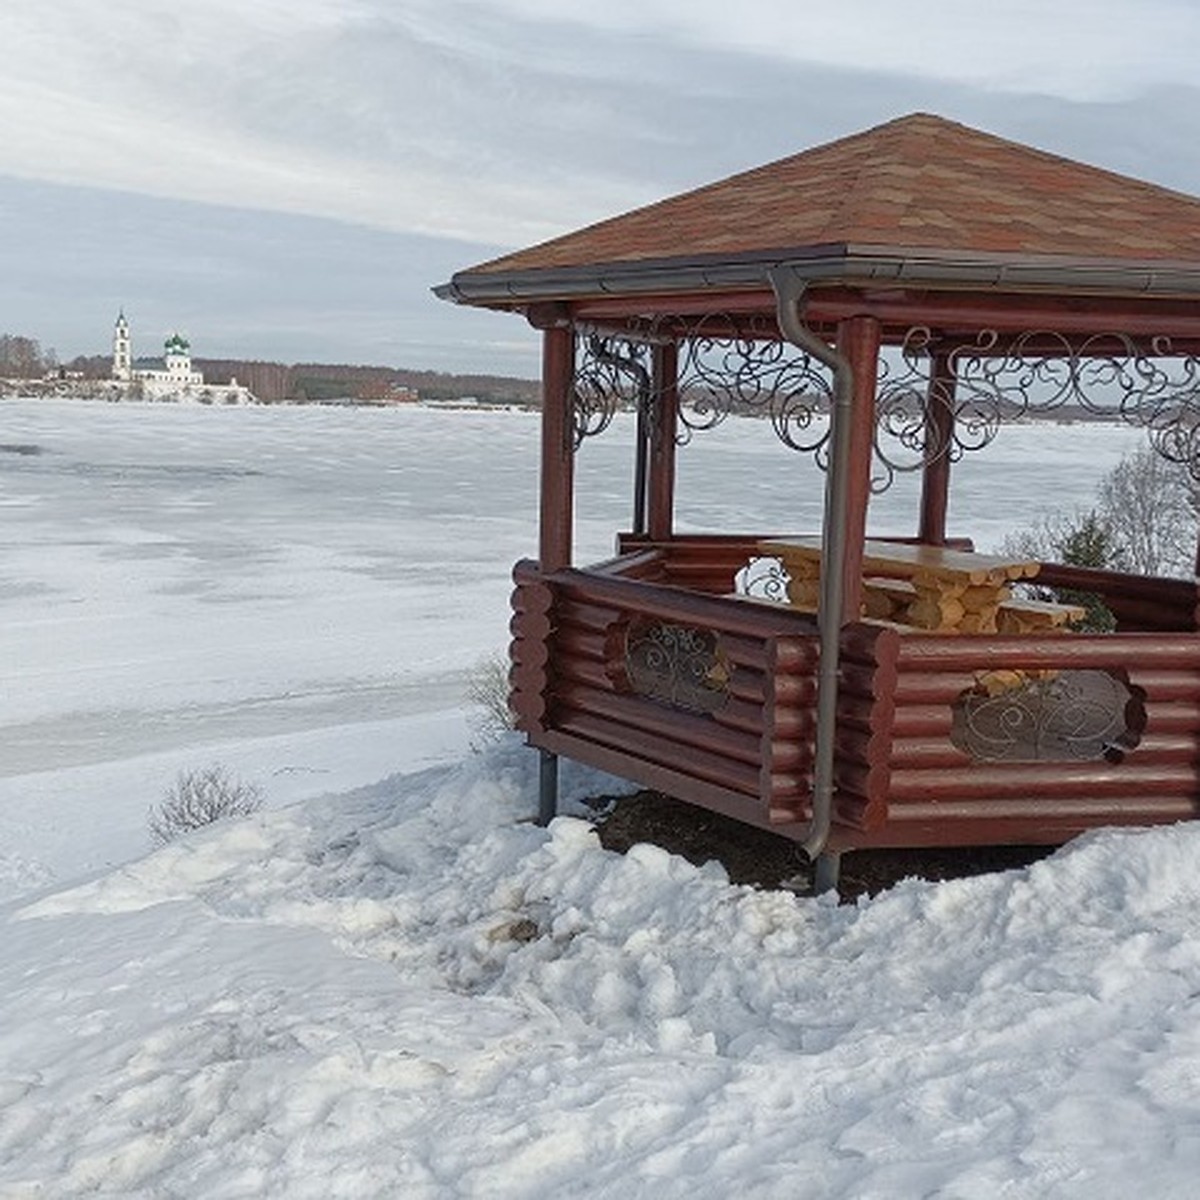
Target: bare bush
[(198, 798), (1082, 539), (488, 690), (1149, 505), (1144, 521), (1046, 538)]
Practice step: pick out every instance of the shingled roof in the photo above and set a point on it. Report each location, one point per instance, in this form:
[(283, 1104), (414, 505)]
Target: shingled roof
[(919, 186)]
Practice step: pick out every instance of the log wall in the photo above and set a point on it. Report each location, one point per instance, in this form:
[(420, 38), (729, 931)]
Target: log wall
[(700, 563), (708, 562), (908, 784), (750, 758), (900, 779), (1138, 603)]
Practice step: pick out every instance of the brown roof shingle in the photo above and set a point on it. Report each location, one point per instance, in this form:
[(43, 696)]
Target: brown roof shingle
[(919, 182)]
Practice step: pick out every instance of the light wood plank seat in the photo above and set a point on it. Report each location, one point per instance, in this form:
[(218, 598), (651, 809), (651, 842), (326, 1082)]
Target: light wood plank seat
[(1036, 616), (887, 599)]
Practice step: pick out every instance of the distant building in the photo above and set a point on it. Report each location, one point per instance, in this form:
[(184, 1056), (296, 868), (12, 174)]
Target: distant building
[(385, 391), (122, 368), (169, 377)]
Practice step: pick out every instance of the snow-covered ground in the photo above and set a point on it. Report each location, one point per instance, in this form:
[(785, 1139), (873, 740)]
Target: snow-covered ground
[(389, 982)]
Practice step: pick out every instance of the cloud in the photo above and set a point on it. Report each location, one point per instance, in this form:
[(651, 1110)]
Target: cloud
[(455, 129), (1092, 50), (512, 120), (362, 114)]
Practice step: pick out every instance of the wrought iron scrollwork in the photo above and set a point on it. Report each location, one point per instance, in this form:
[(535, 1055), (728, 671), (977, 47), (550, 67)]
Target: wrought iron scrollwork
[(908, 433), (744, 367), (726, 366), (612, 374), (1071, 716), (1042, 372), (1037, 373), (764, 577), (741, 365), (676, 665)]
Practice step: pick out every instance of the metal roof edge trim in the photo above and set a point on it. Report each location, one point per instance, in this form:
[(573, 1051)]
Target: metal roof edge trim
[(906, 266)]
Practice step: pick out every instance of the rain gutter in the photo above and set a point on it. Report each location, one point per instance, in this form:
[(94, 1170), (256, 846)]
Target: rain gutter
[(789, 287), (841, 263)]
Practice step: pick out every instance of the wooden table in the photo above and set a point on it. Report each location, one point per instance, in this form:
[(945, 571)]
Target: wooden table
[(928, 587)]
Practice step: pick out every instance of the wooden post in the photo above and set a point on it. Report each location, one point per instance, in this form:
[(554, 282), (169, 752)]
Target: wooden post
[(858, 343), (557, 511), (664, 382), (826, 871), (547, 787), (558, 450), (939, 429)]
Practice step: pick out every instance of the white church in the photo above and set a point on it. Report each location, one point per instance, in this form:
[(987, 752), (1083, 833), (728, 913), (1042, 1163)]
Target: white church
[(171, 377)]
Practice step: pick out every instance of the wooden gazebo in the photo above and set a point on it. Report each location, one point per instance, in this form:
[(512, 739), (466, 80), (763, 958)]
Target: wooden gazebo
[(896, 293)]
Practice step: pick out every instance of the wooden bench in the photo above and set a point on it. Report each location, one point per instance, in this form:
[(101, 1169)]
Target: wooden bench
[(888, 599), (955, 591), (1036, 616)]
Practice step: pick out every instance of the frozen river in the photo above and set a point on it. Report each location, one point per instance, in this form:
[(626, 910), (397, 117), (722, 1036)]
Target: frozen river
[(290, 589)]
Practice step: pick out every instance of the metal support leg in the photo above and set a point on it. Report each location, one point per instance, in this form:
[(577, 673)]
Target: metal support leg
[(547, 787), (828, 867)]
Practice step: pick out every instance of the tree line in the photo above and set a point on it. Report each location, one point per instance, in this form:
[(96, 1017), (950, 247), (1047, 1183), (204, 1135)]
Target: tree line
[(24, 358)]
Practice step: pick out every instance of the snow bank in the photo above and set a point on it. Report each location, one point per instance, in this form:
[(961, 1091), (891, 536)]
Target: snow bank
[(411, 990)]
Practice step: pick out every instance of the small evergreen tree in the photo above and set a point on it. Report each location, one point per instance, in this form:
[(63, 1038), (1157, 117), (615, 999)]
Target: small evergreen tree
[(1081, 539), (1089, 542)]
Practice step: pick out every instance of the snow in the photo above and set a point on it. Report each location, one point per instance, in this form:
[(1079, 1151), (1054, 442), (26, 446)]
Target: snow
[(390, 982)]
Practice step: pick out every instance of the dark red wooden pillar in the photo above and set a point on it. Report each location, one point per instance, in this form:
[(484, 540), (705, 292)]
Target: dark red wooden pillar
[(858, 343), (664, 381), (939, 428), (557, 511)]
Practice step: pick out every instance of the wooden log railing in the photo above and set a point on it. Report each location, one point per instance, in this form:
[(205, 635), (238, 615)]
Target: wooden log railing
[(866, 713), (911, 784), (708, 562), (901, 778), (572, 693), (1138, 602), (698, 562)]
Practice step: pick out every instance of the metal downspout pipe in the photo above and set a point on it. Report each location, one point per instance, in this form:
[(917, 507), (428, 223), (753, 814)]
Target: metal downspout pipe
[(789, 293)]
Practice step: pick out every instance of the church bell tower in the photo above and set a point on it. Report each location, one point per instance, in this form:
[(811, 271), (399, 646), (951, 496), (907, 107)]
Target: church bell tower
[(122, 359)]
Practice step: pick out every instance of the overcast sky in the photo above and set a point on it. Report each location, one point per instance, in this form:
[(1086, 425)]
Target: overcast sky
[(287, 179)]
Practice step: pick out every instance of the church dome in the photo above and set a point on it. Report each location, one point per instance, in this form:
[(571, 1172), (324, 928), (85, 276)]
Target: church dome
[(176, 344)]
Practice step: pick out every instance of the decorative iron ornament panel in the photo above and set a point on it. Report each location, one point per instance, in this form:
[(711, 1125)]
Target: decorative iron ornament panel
[(1072, 716), (764, 577), (676, 665), (741, 365), (726, 365), (1036, 373), (905, 436), (756, 373), (611, 375)]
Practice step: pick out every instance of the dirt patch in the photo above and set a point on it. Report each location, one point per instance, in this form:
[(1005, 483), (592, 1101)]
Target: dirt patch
[(763, 859)]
